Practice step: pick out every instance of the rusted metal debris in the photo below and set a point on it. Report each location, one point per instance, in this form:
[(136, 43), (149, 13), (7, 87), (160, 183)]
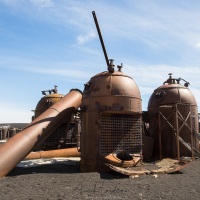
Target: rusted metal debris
[(166, 165)]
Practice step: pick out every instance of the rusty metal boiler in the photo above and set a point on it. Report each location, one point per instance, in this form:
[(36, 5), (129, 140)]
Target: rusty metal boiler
[(173, 115), (67, 134), (111, 119)]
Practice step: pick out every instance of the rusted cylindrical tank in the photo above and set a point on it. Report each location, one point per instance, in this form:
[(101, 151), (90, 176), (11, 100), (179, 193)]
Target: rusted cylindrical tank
[(65, 135), (17, 147), (173, 116), (111, 118), (50, 98)]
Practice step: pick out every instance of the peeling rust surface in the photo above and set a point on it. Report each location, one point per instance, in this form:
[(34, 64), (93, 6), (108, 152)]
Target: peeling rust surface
[(114, 107), (166, 165)]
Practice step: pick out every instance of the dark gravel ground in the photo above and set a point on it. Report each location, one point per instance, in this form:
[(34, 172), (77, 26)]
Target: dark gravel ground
[(61, 181)]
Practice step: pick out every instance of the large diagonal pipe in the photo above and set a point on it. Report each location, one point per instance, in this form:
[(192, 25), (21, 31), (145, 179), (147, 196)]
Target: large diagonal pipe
[(17, 147)]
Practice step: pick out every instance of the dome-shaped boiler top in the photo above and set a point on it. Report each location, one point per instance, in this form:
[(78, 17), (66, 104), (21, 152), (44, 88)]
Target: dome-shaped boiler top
[(106, 84), (171, 92), (48, 100)]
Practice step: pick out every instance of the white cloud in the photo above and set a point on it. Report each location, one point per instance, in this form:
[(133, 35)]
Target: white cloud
[(157, 25), (197, 45), (151, 75), (86, 38), (70, 73), (70, 70), (42, 3)]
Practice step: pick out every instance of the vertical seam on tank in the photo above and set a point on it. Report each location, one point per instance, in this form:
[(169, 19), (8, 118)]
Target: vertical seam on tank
[(179, 95), (110, 84)]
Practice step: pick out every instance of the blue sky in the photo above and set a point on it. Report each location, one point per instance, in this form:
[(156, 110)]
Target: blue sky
[(54, 42)]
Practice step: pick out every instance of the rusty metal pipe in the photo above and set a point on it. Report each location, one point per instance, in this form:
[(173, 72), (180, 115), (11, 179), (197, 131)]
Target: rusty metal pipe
[(68, 152), (101, 38), (17, 147)]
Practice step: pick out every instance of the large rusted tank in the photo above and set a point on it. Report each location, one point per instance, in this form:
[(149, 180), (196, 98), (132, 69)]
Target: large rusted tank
[(173, 116), (67, 134), (111, 119)]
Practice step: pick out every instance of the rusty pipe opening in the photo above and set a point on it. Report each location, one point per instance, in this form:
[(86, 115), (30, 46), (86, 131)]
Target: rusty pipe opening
[(123, 155), (132, 160)]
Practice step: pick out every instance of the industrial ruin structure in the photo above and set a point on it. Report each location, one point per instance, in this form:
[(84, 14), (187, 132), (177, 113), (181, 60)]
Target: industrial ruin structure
[(173, 120), (104, 125), (111, 119), (7, 131), (67, 134)]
